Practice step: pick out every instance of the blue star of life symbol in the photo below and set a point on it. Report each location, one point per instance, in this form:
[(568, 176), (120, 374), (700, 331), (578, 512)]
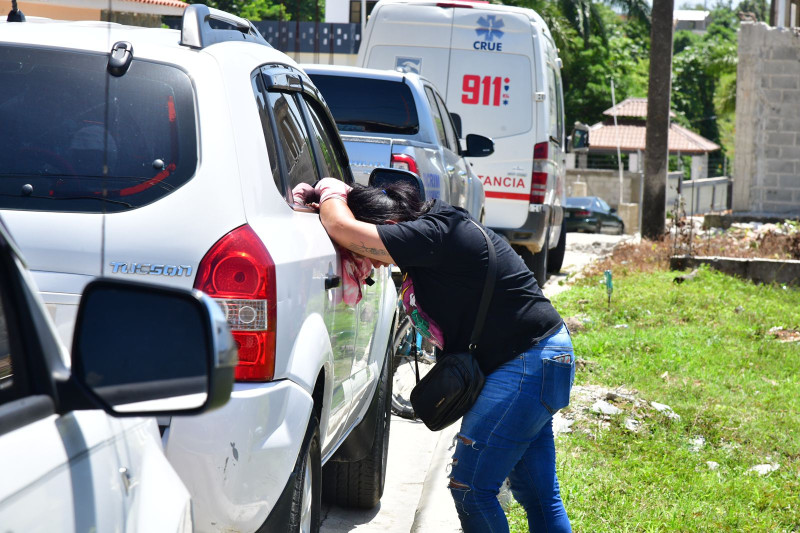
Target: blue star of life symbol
[(489, 28)]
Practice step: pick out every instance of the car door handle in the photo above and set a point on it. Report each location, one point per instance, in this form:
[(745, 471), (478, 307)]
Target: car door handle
[(332, 281), (450, 168)]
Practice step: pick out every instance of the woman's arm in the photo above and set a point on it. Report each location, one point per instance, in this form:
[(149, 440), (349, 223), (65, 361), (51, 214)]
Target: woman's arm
[(359, 237)]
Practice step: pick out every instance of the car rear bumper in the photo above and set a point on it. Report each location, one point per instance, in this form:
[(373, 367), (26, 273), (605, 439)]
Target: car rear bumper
[(588, 224), (236, 460), (532, 233)]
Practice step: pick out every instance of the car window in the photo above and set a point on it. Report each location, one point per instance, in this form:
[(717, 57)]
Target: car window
[(553, 101), (560, 111), (367, 105), (603, 205), (76, 139), (6, 365), (330, 166), (449, 129), (437, 117), (293, 140), (266, 126), (579, 201), (12, 382)]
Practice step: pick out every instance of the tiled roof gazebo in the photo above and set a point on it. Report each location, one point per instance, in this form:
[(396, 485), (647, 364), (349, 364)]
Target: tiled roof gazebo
[(630, 133)]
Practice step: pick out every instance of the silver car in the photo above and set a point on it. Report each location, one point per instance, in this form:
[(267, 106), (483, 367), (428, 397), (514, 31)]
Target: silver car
[(399, 120)]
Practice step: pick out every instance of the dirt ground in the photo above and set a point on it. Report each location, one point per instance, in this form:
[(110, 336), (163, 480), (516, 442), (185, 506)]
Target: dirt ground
[(687, 237)]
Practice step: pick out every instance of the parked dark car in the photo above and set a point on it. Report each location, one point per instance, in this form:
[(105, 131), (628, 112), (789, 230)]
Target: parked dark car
[(592, 215)]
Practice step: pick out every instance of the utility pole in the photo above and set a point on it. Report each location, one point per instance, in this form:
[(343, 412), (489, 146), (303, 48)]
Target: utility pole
[(656, 141)]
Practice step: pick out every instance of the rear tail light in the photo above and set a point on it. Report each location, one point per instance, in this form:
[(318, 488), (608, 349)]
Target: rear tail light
[(540, 151), (239, 274), (538, 177), (405, 162), (582, 213)]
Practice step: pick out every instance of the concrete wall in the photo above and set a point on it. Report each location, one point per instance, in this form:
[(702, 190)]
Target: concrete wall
[(767, 164), (605, 184)]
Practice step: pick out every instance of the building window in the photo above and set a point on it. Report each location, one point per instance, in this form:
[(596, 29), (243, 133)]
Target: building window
[(355, 10)]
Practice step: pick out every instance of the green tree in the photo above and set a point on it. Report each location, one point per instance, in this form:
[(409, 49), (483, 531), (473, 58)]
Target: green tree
[(269, 9), (704, 76)]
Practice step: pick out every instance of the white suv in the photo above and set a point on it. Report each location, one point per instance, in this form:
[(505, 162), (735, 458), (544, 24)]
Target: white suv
[(171, 156)]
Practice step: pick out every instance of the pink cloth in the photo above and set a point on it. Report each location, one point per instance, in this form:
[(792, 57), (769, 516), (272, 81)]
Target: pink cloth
[(304, 194), (328, 188), (355, 269)]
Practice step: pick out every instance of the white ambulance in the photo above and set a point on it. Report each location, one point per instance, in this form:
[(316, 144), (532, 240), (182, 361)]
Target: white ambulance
[(499, 70)]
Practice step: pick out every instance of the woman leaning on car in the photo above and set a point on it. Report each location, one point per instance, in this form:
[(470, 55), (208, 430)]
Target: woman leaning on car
[(527, 357)]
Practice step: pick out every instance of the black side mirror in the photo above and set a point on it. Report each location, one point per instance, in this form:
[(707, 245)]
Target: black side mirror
[(146, 350), (579, 139), (478, 146), (612, 209), (384, 176), (457, 123)]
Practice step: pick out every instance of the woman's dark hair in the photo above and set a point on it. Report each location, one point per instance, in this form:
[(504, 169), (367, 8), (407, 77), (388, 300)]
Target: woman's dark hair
[(397, 201)]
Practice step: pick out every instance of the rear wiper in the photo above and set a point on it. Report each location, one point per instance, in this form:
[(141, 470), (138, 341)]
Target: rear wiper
[(370, 125)]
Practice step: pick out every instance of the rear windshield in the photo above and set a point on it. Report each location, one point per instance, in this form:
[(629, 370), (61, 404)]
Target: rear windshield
[(579, 202), (375, 106), (75, 138)]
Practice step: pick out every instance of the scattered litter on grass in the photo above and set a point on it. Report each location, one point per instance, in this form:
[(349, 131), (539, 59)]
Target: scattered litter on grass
[(561, 425), (785, 335), (604, 408), (712, 465), (631, 424), (594, 408), (621, 326), (666, 410), (764, 469), (665, 376), (697, 443), (738, 309)]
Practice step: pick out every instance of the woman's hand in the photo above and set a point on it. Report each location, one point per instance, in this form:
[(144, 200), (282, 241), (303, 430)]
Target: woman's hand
[(328, 188), (305, 194)]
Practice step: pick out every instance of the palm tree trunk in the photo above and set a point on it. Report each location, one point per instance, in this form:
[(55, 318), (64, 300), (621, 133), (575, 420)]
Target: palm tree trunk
[(656, 141)]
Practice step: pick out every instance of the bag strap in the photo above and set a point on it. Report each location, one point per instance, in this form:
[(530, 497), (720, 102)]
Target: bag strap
[(488, 289)]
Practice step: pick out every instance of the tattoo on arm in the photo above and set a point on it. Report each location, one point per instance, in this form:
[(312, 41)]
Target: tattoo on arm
[(364, 249)]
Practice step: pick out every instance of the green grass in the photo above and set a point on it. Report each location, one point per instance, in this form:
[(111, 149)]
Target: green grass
[(729, 380)]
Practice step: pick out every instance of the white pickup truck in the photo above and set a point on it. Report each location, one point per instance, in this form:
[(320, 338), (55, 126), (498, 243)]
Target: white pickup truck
[(397, 120)]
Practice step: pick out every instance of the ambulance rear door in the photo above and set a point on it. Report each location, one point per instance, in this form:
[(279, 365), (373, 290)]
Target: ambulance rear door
[(491, 87)]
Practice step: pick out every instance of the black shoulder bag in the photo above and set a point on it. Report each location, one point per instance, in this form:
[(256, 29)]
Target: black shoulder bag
[(454, 383)]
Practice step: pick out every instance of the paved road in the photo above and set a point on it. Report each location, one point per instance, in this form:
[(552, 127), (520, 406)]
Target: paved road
[(416, 499)]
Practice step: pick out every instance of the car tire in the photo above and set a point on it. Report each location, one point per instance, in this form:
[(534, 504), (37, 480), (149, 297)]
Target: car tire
[(555, 258), (360, 483), (621, 229), (536, 263), (304, 515), (599, 228)]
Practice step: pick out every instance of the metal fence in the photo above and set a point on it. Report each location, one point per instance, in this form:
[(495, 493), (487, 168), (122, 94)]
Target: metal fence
[(698, 196), (296, 37), (311, 37)]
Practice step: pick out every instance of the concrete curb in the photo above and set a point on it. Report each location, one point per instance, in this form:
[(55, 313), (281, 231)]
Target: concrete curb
[(436, 511), (786, 271)]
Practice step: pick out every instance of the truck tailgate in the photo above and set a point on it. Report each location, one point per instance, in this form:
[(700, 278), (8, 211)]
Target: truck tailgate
[(367, 153)]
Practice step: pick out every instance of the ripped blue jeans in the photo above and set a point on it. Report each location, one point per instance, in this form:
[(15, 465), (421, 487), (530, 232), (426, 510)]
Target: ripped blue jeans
[(509, 433)]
